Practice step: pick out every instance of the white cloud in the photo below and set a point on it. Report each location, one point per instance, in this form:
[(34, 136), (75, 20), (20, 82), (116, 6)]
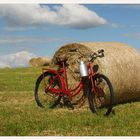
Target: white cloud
[(15, 28), (116, 25), (75, 16), (19, 59), (126, 6), (131, 6), (4, 65), (133, 35), (10, 39)]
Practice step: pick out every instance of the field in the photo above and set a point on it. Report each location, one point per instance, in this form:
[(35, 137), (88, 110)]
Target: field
[(20, 116)]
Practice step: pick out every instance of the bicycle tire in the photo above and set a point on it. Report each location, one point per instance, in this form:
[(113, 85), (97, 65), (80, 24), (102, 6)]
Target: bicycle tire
[(108, 97), (55, 98)]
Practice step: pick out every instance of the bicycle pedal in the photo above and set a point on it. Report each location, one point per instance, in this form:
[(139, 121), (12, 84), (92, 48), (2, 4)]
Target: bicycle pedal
[(113, 112), (53, 105), (56, 102), (68, 104)]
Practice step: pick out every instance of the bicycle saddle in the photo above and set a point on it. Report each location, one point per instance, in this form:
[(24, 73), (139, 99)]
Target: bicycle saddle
[(60, 60), (101, 51)]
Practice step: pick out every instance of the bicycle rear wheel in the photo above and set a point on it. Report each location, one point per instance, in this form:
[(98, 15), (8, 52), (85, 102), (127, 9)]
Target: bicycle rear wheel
[(104, 100), (44, 83)]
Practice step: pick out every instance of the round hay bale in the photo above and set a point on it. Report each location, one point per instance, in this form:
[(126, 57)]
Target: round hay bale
[(39, 61), (121, 65)]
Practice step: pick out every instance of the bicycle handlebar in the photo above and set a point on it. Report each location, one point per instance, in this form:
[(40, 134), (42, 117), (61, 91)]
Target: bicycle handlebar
[(92, 55)]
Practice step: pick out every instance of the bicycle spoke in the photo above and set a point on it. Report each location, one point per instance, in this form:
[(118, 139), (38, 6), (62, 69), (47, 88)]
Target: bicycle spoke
[(104, 95), (43, 95)]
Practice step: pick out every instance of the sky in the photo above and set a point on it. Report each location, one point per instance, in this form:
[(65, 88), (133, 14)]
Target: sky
[(35, 30)]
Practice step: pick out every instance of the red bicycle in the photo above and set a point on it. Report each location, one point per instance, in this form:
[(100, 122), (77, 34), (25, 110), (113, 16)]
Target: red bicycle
[(52, 86)]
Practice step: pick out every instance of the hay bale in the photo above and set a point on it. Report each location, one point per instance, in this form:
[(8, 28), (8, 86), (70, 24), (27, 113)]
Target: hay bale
[(121, 65), (39, 61)]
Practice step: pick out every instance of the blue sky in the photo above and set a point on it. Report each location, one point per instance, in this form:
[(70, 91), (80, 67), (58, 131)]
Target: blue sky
[(33, 32)]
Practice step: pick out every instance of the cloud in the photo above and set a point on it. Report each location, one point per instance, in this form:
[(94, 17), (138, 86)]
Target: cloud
[(131, 6), (4, 65), (124, 6), (15, 28), (75, 16), (133, 35), (19, 59), (8, 39), (116, 25)]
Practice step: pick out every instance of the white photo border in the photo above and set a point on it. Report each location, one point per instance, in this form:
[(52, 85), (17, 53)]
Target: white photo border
[(70, 1)]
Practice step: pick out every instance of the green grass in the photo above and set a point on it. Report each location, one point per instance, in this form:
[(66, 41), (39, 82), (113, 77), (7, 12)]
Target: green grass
[(20, 116)]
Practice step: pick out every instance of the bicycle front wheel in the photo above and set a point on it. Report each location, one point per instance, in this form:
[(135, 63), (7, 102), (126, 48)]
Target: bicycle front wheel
[(43, 96), (101, 96)]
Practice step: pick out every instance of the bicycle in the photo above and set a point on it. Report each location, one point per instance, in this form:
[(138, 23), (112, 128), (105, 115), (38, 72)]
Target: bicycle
[(55, 85)]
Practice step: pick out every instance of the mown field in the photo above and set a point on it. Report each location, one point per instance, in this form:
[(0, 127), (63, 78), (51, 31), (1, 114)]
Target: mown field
[(20, 116)]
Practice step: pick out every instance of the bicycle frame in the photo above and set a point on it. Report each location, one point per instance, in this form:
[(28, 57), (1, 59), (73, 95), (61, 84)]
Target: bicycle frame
[(62, 75)]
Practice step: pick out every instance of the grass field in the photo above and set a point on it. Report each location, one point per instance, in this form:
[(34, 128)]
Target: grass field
[(20, 116)]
